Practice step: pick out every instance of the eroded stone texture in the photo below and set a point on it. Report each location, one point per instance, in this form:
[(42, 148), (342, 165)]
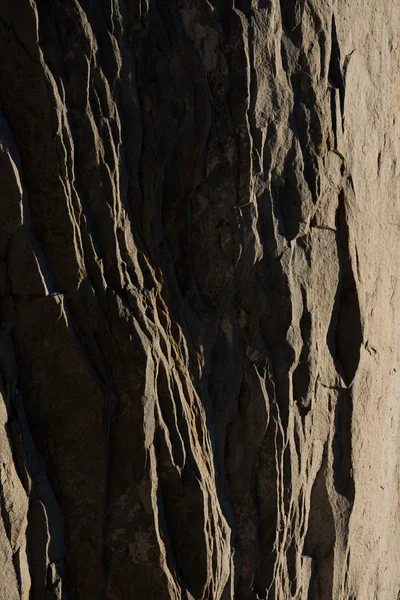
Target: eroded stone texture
[(199, 304)]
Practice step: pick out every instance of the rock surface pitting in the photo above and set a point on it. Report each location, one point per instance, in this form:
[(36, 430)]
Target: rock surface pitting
[(199, 264)]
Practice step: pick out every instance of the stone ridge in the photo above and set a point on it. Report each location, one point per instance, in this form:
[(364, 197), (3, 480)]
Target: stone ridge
[(199, 257)]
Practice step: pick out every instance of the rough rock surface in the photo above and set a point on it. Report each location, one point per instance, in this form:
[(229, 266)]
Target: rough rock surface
[(199, 263)]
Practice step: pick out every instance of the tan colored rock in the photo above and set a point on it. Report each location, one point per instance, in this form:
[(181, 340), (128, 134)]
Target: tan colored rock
[(199, 296)]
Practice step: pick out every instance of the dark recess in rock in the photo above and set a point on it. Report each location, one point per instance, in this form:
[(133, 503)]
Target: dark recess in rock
[(199, 250)]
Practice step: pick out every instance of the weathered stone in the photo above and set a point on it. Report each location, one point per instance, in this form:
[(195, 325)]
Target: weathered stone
[(199, 250)]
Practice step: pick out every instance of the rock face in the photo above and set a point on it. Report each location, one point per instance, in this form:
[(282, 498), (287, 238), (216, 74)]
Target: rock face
[(199, 264)]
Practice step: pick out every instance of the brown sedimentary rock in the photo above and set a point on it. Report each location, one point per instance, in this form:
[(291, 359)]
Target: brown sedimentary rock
[(199, 250)]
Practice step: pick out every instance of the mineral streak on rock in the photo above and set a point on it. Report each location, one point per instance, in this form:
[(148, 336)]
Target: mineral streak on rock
[(199, 258)]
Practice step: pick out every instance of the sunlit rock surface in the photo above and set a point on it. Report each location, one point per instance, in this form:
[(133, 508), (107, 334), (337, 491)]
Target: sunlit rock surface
[(199, 263)]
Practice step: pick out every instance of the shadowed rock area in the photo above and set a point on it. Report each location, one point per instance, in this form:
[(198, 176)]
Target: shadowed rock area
[(199, 300)]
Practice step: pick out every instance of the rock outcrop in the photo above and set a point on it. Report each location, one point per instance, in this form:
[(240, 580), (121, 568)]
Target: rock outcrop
[(199, 347)]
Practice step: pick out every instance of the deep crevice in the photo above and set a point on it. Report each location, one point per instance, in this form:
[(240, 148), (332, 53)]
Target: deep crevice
[(342, 446), (349, 334), (320, 537), (345, 333), (335, 74)]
